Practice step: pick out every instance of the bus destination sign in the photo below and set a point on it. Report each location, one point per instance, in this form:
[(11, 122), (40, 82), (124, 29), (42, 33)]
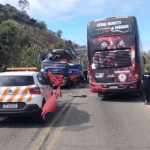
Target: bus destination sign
[(110, 27)]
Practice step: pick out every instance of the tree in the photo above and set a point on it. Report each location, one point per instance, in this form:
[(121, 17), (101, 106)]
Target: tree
[(41, 25), (58, 45), (10, 40), (59, 33), (69, 44), (24, 4), (28, 56)]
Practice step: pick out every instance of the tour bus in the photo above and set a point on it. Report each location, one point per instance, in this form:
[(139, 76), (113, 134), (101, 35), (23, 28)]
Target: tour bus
[(115, 55)]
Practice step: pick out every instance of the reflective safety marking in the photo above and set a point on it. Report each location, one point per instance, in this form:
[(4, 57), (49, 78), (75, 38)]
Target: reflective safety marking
[(29, 99), (24, 94), (4, 94), (14, 94)]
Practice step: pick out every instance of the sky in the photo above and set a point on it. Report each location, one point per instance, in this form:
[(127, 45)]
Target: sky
[(72, 16)]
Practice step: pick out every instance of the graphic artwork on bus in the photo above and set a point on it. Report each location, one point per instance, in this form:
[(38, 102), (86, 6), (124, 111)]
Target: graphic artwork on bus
[(115, 57)]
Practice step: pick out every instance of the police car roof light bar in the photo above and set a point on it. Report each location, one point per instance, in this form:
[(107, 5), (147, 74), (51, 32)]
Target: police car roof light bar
[(22, 69)]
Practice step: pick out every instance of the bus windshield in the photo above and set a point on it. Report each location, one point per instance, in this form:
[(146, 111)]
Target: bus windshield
[(113, 58), (112, 51)]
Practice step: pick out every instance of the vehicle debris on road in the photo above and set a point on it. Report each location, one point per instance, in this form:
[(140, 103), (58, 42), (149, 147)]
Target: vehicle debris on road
[(79, 96)]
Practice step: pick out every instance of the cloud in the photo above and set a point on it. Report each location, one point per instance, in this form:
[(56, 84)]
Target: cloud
[(58, 10), (11, 2), (98, 2), (146, 49), (1, 2), (129, 6)]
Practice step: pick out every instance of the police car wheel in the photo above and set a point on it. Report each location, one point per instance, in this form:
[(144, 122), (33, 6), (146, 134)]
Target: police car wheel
[(41, 119)]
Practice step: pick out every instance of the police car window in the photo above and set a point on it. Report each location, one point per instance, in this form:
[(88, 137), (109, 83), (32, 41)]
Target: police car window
[(47, 79), (41, 79), (16, 80)]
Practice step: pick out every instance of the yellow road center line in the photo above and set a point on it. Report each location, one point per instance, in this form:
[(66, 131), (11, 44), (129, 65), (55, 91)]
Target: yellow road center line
[(49, 130), (59, 130), (41, 140)]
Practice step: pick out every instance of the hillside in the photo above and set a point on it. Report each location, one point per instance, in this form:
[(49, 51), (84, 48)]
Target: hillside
[(23, 38), (42, 37), (36, 30)]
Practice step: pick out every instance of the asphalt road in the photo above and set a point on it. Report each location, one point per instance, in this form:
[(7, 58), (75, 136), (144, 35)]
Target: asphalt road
[(83, 123)]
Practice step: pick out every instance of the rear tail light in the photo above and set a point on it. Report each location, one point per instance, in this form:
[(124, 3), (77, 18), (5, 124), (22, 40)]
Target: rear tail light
[(35, 90), (34, 110)]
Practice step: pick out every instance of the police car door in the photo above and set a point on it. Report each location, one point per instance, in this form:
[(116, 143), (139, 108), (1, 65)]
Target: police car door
[(46, 90), (49, 86)]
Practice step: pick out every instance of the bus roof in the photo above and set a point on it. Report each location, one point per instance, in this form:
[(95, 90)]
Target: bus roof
[(109, 18)]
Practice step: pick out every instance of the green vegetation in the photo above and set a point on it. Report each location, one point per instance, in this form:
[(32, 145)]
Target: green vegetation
[(11, 38), (22, 39), (28, 56)]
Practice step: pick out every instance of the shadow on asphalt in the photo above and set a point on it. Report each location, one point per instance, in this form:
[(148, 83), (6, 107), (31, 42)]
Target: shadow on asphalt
[(122, 98), (76, 118), (29, 122), (23, 122)]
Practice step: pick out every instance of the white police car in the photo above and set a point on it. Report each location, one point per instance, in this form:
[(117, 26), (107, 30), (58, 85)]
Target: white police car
[(24, 93)]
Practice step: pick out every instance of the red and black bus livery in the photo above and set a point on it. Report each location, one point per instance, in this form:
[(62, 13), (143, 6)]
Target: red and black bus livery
[(115, 55)]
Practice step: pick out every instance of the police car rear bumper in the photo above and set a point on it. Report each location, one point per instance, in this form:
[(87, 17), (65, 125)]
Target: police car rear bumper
[(22, 110)]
